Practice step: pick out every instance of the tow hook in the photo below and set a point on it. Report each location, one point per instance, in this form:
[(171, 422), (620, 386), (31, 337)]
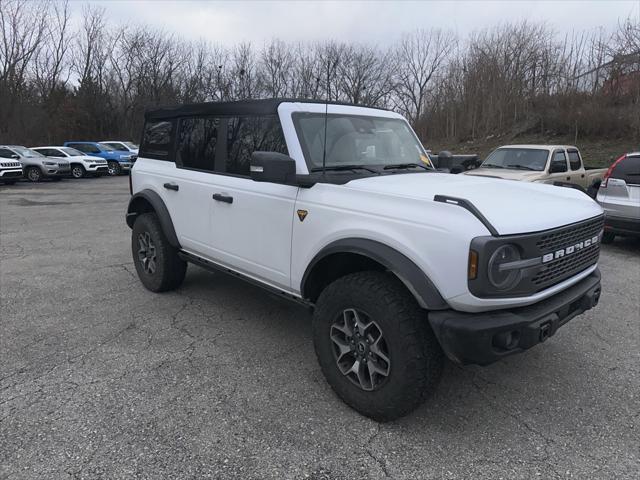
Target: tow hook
[(545, 331)]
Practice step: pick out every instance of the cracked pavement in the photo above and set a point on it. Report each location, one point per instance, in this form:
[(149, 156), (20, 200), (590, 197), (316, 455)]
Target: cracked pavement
[(100, 378)]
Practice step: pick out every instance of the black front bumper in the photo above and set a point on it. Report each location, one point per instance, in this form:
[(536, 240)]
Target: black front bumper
[(483, 338)]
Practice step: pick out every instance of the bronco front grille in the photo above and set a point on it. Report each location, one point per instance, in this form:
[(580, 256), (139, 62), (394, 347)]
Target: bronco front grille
[(568, 235), (567, 266)]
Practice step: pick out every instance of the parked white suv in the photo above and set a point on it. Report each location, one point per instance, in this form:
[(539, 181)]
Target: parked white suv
[(333, 206), (81, 164)]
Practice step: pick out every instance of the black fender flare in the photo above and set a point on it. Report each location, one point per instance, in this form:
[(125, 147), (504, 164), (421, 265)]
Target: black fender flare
[(418, 283), (156, 202)]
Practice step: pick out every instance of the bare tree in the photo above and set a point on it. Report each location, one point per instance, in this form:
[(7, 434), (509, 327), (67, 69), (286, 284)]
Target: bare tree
[(420, 56)]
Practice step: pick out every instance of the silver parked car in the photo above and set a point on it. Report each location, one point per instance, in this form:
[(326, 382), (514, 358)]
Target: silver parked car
[(619, 195), (35, 165)]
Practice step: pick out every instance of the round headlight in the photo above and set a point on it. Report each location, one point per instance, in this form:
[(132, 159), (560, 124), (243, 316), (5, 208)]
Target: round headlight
[(502, 278)]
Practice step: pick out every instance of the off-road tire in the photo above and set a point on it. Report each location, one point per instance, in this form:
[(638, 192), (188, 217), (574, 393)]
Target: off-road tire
[(170, 269), (114, 168), (33, 174), (416, 359), (608, 237)]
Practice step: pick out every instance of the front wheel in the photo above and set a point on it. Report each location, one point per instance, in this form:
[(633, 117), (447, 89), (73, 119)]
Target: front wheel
[(375, 346), (78, 171), (114, 168), (157, 262), (33, 174)]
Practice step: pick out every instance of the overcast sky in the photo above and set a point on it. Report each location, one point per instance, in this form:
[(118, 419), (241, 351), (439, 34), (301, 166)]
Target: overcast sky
[(379, 22)]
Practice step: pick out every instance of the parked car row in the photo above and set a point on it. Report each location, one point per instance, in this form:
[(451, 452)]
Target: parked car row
[(75, 159)]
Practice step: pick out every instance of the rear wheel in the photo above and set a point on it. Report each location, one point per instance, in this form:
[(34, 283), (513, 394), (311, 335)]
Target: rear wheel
[(157, 262), (33, 174), (114, 168), (78, 171), (375, 346), (608, 237)]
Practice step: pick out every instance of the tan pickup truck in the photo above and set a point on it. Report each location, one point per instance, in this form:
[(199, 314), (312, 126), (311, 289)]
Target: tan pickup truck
[(541, 164)]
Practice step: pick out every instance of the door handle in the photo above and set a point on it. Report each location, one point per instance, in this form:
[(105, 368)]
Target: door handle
[(218, 197), (568, 178), (171, 186)]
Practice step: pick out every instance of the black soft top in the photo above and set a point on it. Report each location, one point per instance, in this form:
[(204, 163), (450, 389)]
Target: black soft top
[(267, 106)]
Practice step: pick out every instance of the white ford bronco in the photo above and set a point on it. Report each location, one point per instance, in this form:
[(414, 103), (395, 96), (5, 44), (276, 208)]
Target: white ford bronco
[(337, 207)]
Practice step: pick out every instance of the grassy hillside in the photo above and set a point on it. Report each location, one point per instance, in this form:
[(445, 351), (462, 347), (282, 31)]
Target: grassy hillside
[(598, 152)]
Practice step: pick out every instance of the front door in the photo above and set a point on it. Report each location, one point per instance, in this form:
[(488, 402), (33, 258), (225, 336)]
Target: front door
[(251, 222)]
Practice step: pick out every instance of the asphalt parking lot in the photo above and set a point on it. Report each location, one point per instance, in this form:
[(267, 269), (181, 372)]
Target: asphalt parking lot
[(100, 378)]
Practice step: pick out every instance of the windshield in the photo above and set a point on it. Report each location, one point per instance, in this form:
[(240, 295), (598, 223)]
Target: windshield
[(72, 152), (131, 145), (517, 159), (357, 140), (27, 153)]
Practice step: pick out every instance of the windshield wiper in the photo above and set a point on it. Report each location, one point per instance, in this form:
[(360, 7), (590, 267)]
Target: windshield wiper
[(405, 166), (490, 165), (343, 167), (521, 167)]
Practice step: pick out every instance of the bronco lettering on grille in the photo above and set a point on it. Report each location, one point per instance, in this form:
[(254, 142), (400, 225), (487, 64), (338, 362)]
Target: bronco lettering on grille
[(571, 249)]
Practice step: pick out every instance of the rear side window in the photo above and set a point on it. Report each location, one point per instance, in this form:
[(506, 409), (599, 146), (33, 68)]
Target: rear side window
[(157, 139), (574, 160), (628, 170), (559, 162), (246, 135), (50, 152), (196, 143)]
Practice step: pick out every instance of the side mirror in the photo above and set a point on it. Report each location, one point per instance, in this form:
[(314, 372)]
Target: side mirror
[(273, 167), (14, 156)]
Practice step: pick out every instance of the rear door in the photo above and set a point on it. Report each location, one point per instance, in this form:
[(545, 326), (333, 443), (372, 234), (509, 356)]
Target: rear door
[(621, 195), (176, 161)]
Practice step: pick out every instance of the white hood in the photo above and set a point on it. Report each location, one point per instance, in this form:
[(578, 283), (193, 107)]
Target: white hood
[(511, 207)]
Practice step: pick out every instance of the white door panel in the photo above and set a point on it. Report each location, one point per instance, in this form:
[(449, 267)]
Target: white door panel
[(253, 234), (189, 207)]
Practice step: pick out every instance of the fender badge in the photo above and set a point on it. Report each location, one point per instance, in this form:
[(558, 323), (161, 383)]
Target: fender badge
[(302, 214)]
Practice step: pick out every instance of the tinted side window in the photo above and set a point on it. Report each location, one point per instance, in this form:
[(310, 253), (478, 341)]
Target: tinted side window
[(196, 142), (49, 152), (157, 139), (5, 153), (628, 170), (574, 160), (559, 162), (246, 135)]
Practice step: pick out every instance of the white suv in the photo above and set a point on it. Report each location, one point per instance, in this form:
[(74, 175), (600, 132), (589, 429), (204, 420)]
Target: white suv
[(338, 208), (81, 164)]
